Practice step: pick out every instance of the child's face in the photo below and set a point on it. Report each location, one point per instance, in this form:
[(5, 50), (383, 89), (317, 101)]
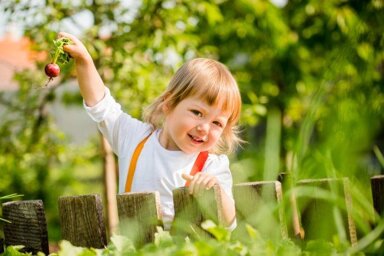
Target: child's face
[(193, 126)]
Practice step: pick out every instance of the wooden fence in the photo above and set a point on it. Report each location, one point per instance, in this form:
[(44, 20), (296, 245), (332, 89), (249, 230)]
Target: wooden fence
[(82, 219)]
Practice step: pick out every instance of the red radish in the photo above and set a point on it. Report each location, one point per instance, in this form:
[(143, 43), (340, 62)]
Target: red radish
[(59, 57), (52, 70)]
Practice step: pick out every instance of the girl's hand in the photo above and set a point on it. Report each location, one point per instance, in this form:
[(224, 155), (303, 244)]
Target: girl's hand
[(199, 182), (77, 49)]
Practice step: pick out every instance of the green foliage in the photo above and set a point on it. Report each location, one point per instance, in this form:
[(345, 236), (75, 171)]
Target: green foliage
[(14, 251), (58, 54), (221, 244)]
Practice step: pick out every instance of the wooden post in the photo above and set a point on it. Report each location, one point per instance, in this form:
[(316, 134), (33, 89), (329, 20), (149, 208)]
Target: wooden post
[(191, 211), (82, 220), (110, 187), (28, 226), (1, 245), (139, 214), (290, 208), (326, 206), (259, 205), (377, 188)]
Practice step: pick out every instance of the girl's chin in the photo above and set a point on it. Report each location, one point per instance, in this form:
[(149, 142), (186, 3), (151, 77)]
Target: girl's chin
[(189, 150), (193, 150)]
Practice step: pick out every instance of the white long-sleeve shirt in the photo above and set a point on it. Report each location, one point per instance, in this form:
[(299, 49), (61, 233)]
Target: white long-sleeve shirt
[(157, 169)]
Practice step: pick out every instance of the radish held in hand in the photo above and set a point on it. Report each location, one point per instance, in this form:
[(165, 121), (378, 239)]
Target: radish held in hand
[(52, 70), (58, 57)]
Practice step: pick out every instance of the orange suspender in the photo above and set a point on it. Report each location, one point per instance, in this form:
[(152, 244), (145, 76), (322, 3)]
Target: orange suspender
[(197, 166), (132, 164)]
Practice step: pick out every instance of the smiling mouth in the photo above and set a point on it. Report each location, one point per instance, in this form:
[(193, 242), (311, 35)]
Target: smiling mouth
[(196, 139)]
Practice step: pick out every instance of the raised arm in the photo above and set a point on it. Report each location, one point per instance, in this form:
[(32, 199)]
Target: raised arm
[(90, 83)]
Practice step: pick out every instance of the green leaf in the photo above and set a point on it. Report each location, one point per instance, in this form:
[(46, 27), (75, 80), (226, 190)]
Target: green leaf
[(59, 56), (320, 247), (122, 244), (67, 249), (162, 237), (220, 233), (14, 250), (11, 196), (253, 233)]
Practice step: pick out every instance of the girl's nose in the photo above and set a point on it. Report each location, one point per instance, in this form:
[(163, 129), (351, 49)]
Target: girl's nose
[(203, 127)]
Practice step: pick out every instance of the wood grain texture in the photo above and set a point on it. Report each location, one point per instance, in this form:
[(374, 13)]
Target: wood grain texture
[(377, 188), (1, 245), (28, 226), (191, 211), (139, 215), (82, 221)]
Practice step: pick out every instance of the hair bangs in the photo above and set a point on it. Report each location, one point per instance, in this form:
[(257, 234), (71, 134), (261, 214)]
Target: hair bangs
[(220, 91)]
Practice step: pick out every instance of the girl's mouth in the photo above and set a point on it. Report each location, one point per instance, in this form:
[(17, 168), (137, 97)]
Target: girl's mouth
[(196, 139)]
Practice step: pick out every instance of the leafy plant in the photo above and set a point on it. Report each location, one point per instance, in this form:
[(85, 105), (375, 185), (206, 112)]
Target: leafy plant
[(220, 244), (59, 57), (8, 197), (58, 54)]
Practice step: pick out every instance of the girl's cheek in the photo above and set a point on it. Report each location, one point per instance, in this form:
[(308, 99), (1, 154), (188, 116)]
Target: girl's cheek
[(216, 135)]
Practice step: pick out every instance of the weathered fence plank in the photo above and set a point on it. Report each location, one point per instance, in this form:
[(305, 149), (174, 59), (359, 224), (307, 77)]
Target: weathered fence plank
[(1, 245), (377, 188), (258, 204), (191, 211), (325, 208), (290, 206), (82, 221), (27, 225), (139, 214)]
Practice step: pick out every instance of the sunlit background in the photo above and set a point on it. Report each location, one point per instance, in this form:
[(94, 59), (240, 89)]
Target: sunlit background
[(310, 74)]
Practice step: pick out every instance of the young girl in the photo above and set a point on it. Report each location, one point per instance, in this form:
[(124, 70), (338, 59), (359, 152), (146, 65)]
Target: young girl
[(197, 113)]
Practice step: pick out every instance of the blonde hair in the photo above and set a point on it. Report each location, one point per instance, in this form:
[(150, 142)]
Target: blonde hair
[(211, 81)]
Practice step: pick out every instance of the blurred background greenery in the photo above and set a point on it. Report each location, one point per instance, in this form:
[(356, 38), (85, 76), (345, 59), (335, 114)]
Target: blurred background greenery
[(310, 72)]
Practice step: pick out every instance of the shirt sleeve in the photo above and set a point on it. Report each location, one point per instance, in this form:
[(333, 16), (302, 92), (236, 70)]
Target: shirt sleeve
[(119, 128), (106, 113), (106, 108), (233, 225), (218, 165)]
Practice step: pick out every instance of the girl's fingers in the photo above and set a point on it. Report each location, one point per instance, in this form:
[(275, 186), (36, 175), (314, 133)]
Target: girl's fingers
[(194, 184), (69, 48), (206, 183), (199, 182), (73, 50), (210, 184), (70, 36), (76, 49), (187, 177)]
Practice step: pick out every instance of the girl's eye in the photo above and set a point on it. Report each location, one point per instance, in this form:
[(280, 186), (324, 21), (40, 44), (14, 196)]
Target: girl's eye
[(217, 123), (197, 113)]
